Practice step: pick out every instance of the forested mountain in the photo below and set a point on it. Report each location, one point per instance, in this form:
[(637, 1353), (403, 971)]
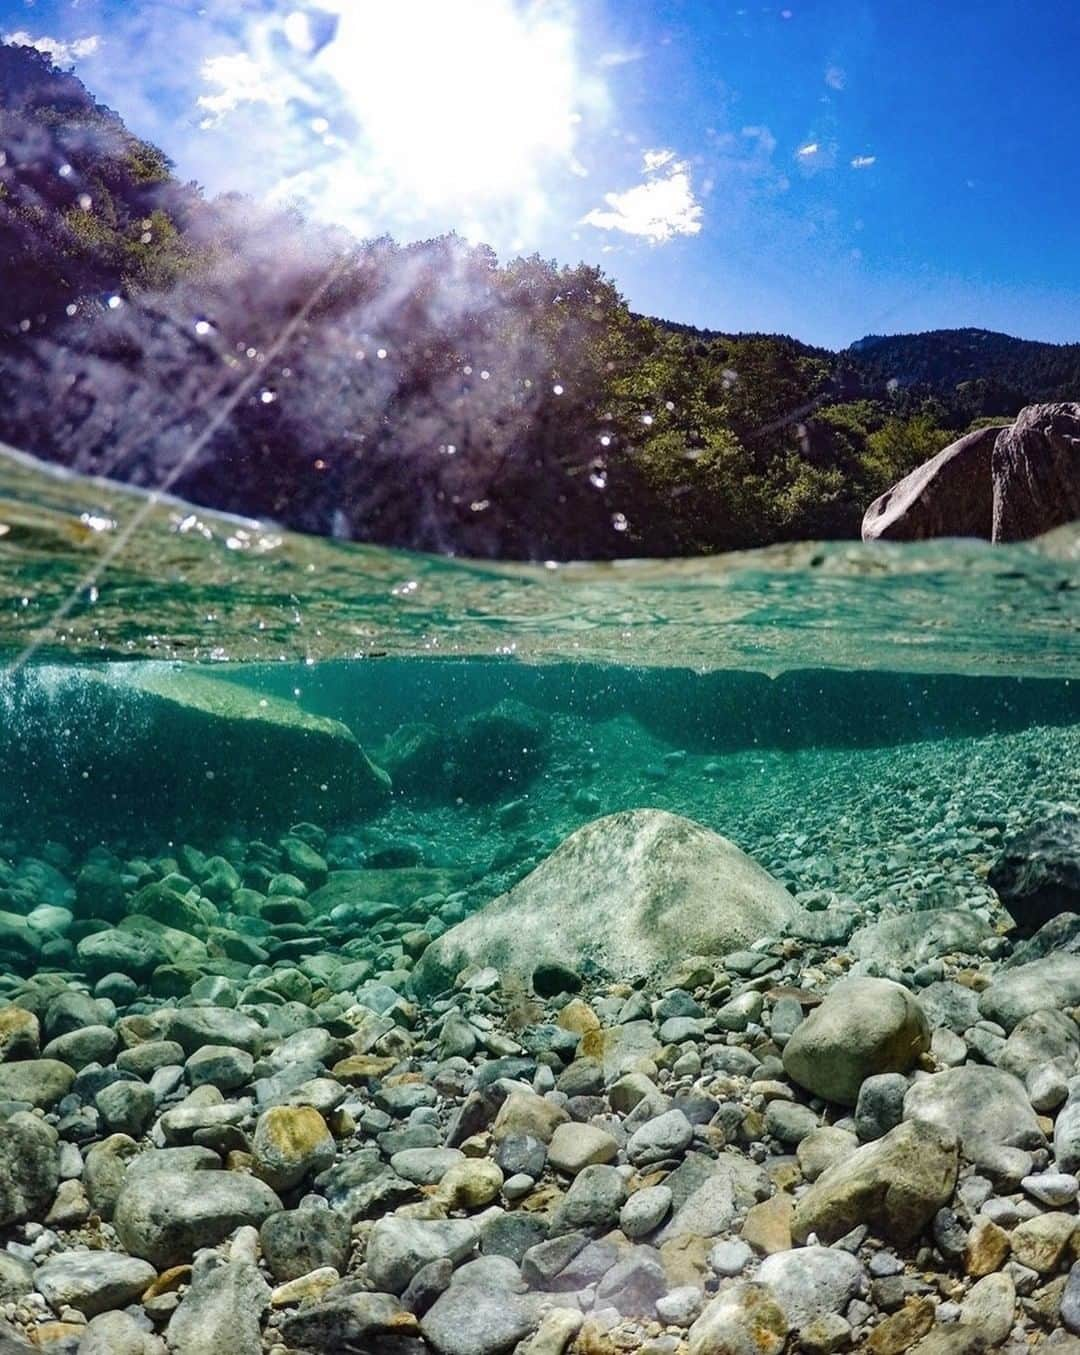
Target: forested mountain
[(427, 395)]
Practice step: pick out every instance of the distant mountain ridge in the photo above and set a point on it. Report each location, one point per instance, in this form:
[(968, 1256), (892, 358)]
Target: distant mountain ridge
[(936, 361), (939, 360)]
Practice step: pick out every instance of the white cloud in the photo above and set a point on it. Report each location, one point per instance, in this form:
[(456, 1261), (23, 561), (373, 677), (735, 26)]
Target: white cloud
[(863, 161), (620, 58), (239, 80), (62, 53), (657, 160), (835, 78), (658, 209)]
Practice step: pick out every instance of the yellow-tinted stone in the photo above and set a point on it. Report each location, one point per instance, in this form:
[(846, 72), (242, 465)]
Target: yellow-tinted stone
[(578, 1017), (360, 1069), (313, 1285), (471, 1184), (767, 1226), (987, 1248), (901, 1330)]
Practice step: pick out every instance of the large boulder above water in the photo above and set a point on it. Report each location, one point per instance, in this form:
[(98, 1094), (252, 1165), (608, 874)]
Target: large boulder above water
[(157, 746), (628, 894), (950, 495), (1036, 472), (1003, 483)]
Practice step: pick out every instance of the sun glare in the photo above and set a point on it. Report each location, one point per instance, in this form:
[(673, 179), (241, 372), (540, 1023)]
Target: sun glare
[(467, 100)]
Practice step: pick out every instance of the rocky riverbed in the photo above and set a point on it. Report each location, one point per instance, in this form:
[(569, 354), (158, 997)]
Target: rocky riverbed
[(807, 1087)]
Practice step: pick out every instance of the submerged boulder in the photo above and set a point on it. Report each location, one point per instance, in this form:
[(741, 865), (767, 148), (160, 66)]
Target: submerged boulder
[(895, 1185), (628, 894), (864, 1027), (160, 746), (1036, 472), (483, 757), (950, 495), (1037, 875)]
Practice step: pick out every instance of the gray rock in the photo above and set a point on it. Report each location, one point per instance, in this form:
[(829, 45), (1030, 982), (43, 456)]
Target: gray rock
[(865, 1026), (914, 938), (398, 1247), (354, 1322), (425, 1166), (708, 1194), (990, 1308), (118, 1333), (593, 1201), (220, 1066), (164, 1216), (1038, 1039), (984, 1107), (16, 1276), (731, 1258), (1036, 986), (1055, 1189), (811, 1281), (195, 1027), (789, 1122), (1067, 1136), (1070, 1301), (478, 1318), (29, 1168), (680, 1306), (221, 1311), (950, 1004), (77, 1048), (880, 1106), (126, 1107), (129, 952), (629, 894), (633, 1284), (298, 1241), (664, 1136), (645, 1211), (521, 1153), (1034, 468), (952, 494), (93, 1281)]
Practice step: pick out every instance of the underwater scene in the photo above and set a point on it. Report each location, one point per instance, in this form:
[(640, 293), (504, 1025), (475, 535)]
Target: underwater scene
[(404, 955)]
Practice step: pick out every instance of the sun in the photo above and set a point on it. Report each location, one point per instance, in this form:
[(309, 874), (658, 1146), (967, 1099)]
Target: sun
[(462, 103)]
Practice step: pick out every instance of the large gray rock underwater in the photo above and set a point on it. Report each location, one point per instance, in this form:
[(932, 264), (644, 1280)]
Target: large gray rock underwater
[(628, 894), (153, 747)]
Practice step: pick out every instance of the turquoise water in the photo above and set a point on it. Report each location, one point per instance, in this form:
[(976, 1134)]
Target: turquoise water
[(715, 687), (265, 803)]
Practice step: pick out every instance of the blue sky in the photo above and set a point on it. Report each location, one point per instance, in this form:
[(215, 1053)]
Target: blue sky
[(825, 168)]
